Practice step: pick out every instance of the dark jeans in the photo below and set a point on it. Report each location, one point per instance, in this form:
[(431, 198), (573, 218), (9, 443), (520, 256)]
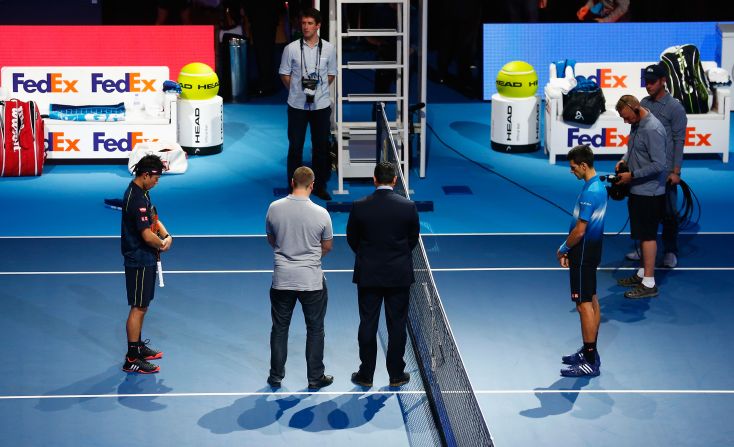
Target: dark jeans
[(396, 316), (320, 123), (282, 303), (670, 223)]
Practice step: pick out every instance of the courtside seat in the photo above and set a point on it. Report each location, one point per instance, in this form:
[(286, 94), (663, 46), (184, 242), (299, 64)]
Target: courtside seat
[(706, 133)]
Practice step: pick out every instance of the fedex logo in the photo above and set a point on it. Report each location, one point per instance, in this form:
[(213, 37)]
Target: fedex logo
[(608, 137), (605, 79), (57, 142), (125, 144), (132, 82), (52, 83), (696, 139)]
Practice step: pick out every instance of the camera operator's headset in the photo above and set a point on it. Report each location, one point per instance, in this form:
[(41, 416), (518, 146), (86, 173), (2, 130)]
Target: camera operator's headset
[(634, 109)]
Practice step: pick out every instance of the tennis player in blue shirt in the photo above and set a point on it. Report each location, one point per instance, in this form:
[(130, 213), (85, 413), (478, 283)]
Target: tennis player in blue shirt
[(581, 254)]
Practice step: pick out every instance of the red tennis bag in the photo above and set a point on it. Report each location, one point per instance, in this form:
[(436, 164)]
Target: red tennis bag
[(21, 139)]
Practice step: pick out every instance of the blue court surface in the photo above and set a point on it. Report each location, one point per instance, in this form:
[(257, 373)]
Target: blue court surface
[(666, 362)]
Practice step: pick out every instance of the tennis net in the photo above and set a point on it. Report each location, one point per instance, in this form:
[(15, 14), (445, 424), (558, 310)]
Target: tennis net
[(453, 403)]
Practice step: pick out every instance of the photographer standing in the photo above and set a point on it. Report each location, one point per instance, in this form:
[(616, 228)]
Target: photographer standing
[(645, 159), (307, 69)]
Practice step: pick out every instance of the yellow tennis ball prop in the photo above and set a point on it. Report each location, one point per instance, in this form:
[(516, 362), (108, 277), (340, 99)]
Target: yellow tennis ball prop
[(517, 79), (198, 81)]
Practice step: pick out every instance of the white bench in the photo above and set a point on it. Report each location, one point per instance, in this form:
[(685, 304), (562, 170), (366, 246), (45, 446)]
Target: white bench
[(149, 114), (706, 133)]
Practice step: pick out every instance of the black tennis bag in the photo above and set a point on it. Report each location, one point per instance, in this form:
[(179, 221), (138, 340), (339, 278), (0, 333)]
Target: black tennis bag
[(584, 103), (686, 79)]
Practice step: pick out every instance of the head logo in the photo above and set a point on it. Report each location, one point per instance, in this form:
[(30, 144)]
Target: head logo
[(607, 137), (132, 82), (52, 83), (605, 79), (56, 142), (125, 144)]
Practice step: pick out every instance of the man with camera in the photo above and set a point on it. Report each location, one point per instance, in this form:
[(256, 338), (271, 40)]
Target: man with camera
[(645, 162), (307, 68)]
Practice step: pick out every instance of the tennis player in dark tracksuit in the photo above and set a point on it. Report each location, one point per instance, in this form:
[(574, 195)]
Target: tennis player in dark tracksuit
[(139, 248), (382, 230)]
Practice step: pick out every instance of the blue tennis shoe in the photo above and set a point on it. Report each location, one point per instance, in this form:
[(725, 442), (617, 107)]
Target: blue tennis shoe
[(578, 357), (582, 369)]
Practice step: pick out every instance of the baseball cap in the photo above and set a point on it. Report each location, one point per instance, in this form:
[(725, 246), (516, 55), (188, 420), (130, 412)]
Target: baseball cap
[(654, 72)]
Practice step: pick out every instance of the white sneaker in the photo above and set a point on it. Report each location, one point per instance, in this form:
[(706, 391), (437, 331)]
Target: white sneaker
[(633, 255), (670, 260)]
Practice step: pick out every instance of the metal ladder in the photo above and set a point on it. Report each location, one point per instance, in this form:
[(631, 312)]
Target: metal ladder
[(356, 140)]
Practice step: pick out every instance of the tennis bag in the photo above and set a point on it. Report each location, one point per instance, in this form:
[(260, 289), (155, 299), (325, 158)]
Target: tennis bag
[(584, 103), (171, 154), (686, 79), (21, 139)]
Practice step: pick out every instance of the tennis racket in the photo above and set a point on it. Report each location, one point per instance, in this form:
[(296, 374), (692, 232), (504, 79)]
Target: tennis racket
[(154, 227)]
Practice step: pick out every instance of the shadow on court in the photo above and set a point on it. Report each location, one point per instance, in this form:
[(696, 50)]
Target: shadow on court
[(554, 404), (257, 412), (111, 381)]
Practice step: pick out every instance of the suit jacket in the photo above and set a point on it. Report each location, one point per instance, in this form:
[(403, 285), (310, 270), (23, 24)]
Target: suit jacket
[(382, 230)]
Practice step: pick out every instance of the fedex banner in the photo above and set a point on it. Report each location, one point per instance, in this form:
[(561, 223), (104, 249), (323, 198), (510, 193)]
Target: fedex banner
[(610, 138), (616, 79), (65, 142), (81, 85)]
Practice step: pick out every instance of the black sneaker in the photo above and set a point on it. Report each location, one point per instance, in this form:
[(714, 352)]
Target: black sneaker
[(149, 353), (359, 379), (642, 292), (322, 382), (273, 383), (400, 380), (322, 194), (632, 281), (138, 365)]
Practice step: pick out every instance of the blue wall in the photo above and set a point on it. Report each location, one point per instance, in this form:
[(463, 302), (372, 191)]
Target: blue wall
[(540, 44)]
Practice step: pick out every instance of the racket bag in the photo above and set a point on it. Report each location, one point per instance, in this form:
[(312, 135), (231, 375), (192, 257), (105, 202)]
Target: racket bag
[(22, 151), (686, 79)]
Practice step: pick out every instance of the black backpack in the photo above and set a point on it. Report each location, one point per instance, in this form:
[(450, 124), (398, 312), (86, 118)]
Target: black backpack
[(584, 103), (686, 79)]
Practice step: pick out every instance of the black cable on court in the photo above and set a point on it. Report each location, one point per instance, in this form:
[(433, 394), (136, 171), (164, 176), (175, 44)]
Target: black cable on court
[(683, 215), (690, 206), (492, 171)]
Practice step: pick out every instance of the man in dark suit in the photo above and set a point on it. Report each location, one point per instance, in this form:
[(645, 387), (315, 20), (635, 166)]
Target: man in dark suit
[(382, 231)]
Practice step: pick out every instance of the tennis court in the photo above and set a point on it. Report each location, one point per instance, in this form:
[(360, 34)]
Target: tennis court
[(666, 373)]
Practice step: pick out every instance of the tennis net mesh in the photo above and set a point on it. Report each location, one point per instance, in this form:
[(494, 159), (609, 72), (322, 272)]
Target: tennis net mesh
[(453, 402)]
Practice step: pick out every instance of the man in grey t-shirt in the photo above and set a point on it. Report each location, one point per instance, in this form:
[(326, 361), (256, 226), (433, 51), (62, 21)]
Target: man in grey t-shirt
[(300, 233)]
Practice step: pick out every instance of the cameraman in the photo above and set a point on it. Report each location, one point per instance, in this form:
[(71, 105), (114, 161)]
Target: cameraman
[(645, 159), (307, 68)]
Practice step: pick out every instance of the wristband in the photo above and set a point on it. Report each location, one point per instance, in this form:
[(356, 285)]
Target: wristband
[(563, 249)]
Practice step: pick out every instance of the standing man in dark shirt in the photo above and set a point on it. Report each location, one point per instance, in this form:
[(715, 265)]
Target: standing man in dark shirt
[(382, 230), (140, 247), (673, 117)]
